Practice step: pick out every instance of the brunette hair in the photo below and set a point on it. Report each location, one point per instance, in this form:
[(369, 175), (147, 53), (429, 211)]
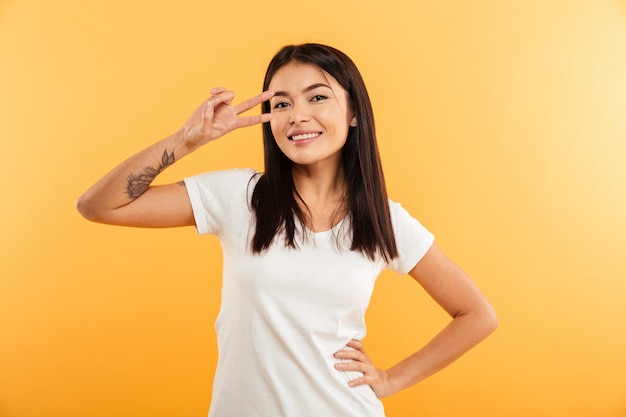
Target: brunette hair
[(274, 196)]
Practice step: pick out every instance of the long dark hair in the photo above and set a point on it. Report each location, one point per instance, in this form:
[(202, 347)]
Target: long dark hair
[(274, 196)]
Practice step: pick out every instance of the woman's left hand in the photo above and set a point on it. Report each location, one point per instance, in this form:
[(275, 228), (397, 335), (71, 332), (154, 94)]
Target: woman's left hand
[(377, 379)]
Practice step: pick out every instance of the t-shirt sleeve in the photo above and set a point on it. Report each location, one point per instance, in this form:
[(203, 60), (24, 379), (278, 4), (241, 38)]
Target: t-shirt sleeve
[(213, 194), (412, 239)]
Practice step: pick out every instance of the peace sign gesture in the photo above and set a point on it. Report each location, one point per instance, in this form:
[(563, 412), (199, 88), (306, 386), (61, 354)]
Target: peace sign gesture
[(217, 116)]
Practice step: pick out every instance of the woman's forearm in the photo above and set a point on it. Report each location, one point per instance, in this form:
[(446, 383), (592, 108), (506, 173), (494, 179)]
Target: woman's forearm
[(130, 179), (458, 337)]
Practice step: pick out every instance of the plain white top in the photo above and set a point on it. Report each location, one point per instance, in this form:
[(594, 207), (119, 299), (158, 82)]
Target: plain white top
[(285, 312)]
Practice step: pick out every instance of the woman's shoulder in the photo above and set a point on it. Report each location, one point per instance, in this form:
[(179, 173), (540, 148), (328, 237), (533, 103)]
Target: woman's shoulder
[(412, 238), (396, 208), (224, 184), (401, 216), (228, 178)]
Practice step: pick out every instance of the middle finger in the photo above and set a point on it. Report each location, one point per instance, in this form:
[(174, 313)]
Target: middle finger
[(251, 102)]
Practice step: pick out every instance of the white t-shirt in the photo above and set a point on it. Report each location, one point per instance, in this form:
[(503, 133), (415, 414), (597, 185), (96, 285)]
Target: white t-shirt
[(286, 311)]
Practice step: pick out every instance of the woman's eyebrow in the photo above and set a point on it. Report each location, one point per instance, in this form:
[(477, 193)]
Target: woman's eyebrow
[(309, 88)]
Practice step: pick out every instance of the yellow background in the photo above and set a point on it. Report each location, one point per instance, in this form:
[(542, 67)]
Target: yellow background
[(502, 127)]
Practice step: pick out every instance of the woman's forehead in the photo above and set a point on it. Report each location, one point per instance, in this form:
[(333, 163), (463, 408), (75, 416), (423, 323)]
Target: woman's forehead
[(295, 75)]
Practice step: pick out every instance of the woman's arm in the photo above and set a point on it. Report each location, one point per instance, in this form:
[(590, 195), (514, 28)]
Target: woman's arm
[(125, 195), (473, 319)]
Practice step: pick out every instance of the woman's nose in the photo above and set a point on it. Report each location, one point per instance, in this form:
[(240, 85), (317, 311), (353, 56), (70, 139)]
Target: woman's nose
[(299, 114)]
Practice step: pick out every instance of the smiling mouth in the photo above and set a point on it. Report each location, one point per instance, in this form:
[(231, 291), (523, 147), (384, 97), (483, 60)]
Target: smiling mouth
[(304, 136)]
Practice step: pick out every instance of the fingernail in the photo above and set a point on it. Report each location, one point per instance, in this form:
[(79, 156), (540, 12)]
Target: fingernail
[(339, 365)]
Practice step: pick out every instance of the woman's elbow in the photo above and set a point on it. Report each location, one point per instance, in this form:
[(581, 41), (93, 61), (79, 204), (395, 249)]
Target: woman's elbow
[(490, 319), (87, 208)]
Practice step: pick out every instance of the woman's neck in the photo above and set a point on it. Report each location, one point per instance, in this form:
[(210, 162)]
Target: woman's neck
[(319, 184), (323, 193)]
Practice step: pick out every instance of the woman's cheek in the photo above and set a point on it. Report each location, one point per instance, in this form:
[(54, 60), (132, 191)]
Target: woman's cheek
[(275, 124)]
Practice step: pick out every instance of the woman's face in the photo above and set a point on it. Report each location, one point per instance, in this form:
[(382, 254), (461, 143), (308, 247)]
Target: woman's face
[(311, 114)]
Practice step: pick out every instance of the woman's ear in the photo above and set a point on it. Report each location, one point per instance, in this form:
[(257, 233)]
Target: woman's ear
[(353, 122)]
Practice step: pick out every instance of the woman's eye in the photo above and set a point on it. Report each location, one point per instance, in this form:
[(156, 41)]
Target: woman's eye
[(280, 105), (318, 97)]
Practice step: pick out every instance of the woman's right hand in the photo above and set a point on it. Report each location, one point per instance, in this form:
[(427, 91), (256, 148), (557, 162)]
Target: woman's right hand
[(217, 116), (125, 196)]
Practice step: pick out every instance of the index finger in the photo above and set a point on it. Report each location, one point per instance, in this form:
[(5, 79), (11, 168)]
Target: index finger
[(254, 101), (355, 344)]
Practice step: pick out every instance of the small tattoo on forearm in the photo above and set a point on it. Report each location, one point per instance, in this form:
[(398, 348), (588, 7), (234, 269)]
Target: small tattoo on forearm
[(139, 183)]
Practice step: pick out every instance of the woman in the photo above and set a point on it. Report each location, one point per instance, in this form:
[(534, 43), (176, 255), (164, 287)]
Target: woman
[(303, 243)]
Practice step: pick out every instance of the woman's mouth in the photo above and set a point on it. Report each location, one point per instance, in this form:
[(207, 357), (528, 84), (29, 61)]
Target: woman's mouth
[(304, 136)]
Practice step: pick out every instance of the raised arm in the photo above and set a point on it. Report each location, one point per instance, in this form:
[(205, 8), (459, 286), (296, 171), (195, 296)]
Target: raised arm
[(125, 195)]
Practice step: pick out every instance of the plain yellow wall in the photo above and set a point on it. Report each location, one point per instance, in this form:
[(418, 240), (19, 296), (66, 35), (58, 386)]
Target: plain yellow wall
[(502, 126)]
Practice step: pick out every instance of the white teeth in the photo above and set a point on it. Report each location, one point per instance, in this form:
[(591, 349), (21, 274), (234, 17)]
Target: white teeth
[(304, 136)]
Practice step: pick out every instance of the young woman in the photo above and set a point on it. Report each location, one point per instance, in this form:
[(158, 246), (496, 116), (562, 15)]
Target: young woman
[(303, 244)]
